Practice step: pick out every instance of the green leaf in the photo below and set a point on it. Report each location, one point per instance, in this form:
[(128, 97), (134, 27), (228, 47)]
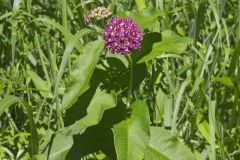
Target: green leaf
[(161, 98), (164, 146), (67, 34), (196, 85), (98, 137), (171, 42), (6, 15), (58, 146), (66, 55), (42, 86), (81, 73), (141, 4), (212, 128), (203, 127), (146, 18), (224, 80), (132, 135), (34, 142), (40, 157), (234, 61), (199, 20), (6, 102), (79, 109), (101, 101), (9, 101)]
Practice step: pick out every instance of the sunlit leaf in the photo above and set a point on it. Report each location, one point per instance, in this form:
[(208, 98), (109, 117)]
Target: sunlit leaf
[(58, 146), (203, 127), (81, 73), (146, 18), (141, 4), (224, 80), (164, 146), (132, 135), (171, 42), (41, 85), (40, 157), (7, 102)]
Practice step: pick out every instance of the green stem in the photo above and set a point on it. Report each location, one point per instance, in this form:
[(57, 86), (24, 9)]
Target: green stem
[(130, 80)]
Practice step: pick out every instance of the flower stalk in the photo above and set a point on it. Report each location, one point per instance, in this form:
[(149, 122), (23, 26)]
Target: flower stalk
[(129, 96)]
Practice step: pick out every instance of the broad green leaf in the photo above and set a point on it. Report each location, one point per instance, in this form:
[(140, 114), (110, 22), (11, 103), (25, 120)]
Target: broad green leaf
[(132, 135), (46, 142), (58, 146), (66, 55), (79, 109), (121, 58), (42, 86), (81, 73), (98, 137), (40, 157), (224, 80), (171, 42), (146, 18), (141, 4), (164, 146), (203, 127), (6, 102), (101, 101)]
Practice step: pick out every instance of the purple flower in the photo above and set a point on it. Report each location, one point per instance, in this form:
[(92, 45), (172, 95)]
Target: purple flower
[(121, 35)]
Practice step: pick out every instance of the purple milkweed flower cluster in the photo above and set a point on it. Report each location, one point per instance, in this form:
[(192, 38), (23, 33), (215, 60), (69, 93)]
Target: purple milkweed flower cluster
[(98, 13), (121, 35)]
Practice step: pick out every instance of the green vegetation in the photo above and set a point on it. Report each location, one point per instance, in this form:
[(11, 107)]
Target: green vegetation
[(63, 97)]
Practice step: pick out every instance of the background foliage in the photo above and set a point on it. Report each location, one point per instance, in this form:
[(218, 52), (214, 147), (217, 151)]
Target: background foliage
[(63, 97)]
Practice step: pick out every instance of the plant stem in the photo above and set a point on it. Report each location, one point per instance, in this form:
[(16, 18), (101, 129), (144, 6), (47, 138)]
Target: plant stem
[(130, 80)]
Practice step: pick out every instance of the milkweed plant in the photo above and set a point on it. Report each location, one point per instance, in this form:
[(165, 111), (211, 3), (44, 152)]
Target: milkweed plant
[(119, 80)]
